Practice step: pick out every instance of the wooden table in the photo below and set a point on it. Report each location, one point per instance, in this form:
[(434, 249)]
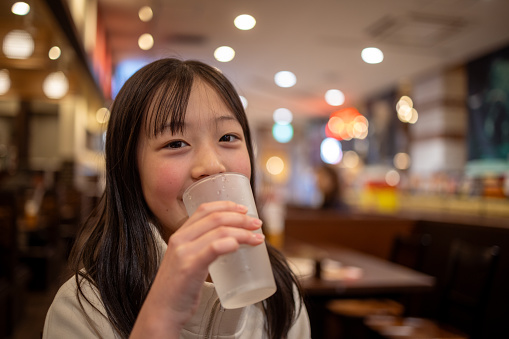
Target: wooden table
[(376, 277), (379, 278)]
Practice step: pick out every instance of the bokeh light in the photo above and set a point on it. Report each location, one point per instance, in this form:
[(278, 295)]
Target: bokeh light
[(402, 161), (372, 55), (146, 41), (283, 133), (347, 124), (392, 178), (282, 116), (350, 159), (275, 165), (244, 22), (334, 97), (285, 79), (18, 44), (224, 54), (330, 151), (55, 85), (406, 111), (145, 13), (102, 115), (54, 53), (20, 8)]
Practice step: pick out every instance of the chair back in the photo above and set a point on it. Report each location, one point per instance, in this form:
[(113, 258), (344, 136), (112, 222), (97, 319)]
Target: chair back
[(467, 285), (410, 250), (8, 234)]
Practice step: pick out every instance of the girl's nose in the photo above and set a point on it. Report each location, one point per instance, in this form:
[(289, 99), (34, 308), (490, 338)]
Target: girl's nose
[(207, 162)]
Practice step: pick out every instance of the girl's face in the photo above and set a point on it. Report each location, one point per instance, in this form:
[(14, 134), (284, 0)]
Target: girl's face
[(212, 142)]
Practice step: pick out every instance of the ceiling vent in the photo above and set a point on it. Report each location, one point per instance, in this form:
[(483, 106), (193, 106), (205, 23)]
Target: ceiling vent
[(416, 29)]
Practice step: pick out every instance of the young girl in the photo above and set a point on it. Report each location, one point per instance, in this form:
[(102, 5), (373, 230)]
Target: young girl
[(140, 262)]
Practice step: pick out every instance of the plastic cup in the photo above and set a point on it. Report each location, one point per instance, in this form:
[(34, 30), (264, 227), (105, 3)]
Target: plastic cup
[(245, 276)]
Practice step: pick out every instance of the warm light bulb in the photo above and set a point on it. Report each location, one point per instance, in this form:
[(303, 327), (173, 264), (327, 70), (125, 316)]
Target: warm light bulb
[(244, 22), (224, 54), (275, 165), (145, 13), (334, 97), (54, 53), (56, 85), (372, 55), (20, 8), (285, 79), (18, 44), (146, 41)]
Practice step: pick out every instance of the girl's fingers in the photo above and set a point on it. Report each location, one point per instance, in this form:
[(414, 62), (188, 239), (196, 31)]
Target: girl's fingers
[(211, 216), (217, 206), (208, 247)]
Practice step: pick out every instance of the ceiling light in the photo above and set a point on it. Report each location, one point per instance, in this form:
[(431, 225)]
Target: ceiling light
[(285, 79), (145, 13), (18, 44), (20, 8), (56, 85), (335, 97), (282, 116), (146, 41), (5, 81), (372, 55), (244, 22), (54, 53), (224, 54)]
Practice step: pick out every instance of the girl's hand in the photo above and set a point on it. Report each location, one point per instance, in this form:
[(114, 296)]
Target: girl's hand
[(215, 228)]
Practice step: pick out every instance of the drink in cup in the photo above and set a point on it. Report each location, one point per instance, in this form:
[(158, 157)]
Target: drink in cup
[(245, 276)]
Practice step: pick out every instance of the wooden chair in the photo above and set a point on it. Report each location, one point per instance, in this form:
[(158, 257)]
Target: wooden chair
[(470, 272), (463, 296), (410, 250)]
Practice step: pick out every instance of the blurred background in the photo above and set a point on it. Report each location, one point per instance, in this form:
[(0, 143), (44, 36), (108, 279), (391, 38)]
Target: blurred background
[(381, 108)]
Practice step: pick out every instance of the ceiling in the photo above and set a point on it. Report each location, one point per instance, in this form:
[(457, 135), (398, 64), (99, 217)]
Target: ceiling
[(319, 41)]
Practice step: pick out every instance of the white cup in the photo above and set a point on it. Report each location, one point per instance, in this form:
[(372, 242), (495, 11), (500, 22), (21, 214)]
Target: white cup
[(245, 276)]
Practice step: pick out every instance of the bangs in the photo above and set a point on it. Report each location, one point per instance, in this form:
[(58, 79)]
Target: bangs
[(168, 104)]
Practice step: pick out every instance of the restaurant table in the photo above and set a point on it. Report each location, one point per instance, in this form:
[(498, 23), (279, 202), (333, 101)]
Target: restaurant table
[(359, 274), (356, 273), (347, 273)]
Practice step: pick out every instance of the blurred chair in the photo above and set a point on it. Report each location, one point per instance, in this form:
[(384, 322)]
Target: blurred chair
[(463, 296), (13, 277), (407, 250), (410, 250), (470, 272)]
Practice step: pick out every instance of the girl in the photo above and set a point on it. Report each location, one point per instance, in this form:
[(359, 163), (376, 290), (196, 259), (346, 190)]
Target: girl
[(140, 262)]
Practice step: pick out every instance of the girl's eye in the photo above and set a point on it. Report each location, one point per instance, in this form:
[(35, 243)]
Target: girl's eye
[(228, 138), (177, 144)]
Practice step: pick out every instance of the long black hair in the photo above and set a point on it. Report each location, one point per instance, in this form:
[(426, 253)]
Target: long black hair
[(116, 248)]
